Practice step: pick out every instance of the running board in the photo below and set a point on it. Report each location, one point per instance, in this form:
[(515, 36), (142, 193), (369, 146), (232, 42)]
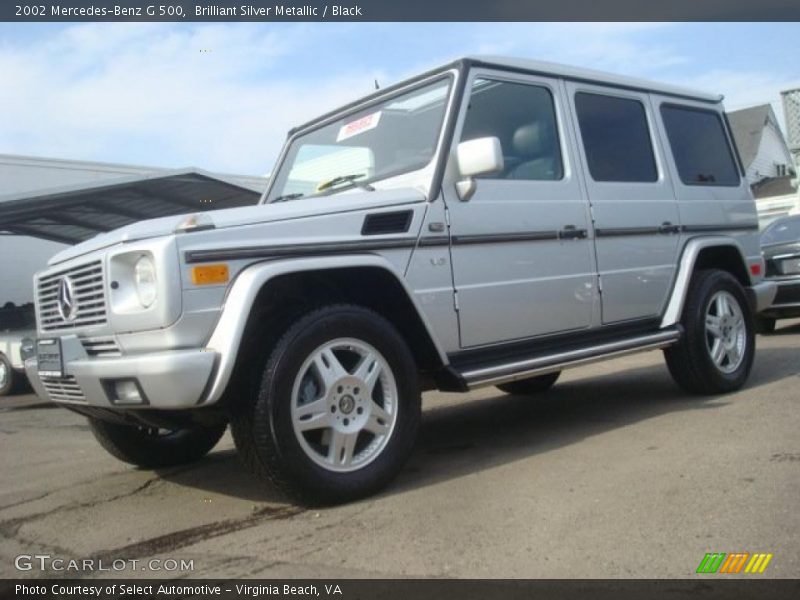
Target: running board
[(541, 365)]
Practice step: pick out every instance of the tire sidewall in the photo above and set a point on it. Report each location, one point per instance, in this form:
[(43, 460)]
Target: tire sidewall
[(695, 329), (274, 412), (8, 387)]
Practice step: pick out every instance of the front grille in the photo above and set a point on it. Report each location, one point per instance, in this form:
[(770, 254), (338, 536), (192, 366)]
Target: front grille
[(63, 390), (101, 346), (89, 298)]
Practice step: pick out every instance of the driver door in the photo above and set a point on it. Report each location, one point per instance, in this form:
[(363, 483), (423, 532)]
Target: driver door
[(522, 253)]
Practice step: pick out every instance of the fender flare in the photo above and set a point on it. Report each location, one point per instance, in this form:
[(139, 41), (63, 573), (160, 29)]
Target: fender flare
[(692, 249), (227, 336)]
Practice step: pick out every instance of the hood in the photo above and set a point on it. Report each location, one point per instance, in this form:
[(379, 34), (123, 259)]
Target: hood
[(246, 215)]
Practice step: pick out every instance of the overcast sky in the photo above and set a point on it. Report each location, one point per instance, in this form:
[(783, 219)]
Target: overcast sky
[(222, 96)]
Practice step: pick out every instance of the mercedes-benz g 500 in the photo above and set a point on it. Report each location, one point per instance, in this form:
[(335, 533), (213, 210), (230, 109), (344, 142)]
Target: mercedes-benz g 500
[(488, 223)]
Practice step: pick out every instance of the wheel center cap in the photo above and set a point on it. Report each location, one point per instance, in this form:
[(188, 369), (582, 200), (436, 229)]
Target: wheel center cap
[(346, 404)]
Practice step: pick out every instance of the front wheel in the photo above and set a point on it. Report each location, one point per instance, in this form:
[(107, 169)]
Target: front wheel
[(7, 376), (338, 408), (716, 352), (152, 448)]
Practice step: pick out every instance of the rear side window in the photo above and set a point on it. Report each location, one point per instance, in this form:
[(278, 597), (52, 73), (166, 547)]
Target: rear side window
[(699, 146), (616, 138)]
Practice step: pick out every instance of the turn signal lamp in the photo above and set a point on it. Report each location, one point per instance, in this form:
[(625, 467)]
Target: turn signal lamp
[(210, 274)]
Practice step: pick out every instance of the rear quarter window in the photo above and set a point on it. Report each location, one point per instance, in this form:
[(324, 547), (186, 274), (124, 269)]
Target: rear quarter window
[(699, 146)]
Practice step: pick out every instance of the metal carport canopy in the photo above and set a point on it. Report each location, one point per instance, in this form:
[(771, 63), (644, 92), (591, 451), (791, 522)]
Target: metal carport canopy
[(74, 213)]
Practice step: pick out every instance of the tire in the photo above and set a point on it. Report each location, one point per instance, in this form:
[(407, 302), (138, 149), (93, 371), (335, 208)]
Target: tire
[(8, 377), (530, 386), (153, 449), (358, 372), (765, 325), (713, 294)]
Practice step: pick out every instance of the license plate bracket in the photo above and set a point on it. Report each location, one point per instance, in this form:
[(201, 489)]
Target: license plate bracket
[(790, 266), (50, 358)]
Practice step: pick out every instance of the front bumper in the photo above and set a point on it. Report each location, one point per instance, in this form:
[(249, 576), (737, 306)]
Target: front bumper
[(171, 380), (761, 295), (786, 303)]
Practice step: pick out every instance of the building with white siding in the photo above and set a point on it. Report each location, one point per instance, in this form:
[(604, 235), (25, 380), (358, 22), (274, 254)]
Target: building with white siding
[(761, 144), (769, 165)]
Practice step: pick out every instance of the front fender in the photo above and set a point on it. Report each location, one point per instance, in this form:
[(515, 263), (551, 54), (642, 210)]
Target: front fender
[(227, 335)]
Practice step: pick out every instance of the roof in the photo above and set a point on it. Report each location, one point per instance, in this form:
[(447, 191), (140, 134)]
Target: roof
[(775, 186), (580, 74), (530, 66), (73, 213)]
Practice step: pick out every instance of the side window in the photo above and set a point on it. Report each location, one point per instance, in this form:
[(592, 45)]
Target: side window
[(523, 118), (699, 146), (616, 138)]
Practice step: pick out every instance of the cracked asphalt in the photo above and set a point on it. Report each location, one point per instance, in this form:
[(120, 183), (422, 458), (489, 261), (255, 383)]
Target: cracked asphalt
[(614, 473)]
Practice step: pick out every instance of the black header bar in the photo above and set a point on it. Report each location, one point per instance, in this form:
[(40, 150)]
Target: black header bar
[(398, 10), (708, 587)]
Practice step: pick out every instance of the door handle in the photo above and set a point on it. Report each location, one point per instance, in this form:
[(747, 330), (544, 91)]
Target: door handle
[(570, 232), (667, 227)]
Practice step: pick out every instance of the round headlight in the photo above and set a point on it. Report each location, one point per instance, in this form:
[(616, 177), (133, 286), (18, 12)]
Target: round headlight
[(145, 278)]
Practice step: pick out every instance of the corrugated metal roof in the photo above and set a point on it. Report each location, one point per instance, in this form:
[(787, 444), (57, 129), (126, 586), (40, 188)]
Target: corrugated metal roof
[(73, 213)]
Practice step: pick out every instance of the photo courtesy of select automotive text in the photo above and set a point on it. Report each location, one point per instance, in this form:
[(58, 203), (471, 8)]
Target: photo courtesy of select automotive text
[(400, 300)]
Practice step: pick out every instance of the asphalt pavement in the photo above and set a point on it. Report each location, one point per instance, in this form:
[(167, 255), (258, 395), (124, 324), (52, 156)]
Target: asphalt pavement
[(614, 473)]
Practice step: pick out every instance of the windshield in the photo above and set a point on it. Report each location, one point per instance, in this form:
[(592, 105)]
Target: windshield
[(396, 136), (782, 231)]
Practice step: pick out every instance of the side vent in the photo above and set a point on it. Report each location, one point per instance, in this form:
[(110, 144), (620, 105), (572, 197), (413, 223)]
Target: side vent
[(389, 222)]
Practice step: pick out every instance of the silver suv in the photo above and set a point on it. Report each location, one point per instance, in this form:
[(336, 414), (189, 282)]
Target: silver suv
[(490, 222)]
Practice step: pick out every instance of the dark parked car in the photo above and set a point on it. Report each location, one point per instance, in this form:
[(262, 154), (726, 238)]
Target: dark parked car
[(780, 243)]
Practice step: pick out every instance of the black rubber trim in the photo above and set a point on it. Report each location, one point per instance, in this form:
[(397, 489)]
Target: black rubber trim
[(543, 345), (315, 249), (625, 231), (297, 250), (434, 240), (629, 231), (711, 228), (499, 238)]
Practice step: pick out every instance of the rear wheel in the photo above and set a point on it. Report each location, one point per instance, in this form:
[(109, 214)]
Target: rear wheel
[(716, 352), (338, 408), (7, 376), (150, 447), (530, 386)]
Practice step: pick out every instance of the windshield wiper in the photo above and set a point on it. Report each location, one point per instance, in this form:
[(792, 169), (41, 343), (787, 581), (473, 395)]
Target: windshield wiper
[(326, 185), (286, 197)]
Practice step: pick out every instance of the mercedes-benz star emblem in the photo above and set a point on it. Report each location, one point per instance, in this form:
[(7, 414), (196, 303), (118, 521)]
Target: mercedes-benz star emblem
[(66, 299)]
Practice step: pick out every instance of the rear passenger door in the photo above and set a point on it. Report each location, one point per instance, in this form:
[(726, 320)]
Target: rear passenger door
[(520, 246), (633, 207), (713, 194)]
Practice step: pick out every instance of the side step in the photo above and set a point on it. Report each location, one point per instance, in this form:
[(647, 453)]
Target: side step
[(522, 368)]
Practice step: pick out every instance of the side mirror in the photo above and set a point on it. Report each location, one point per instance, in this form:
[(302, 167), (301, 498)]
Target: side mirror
[(477, 157)]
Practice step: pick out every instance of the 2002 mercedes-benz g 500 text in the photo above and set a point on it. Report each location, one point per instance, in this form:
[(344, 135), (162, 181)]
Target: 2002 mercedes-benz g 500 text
[(491, 222)]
